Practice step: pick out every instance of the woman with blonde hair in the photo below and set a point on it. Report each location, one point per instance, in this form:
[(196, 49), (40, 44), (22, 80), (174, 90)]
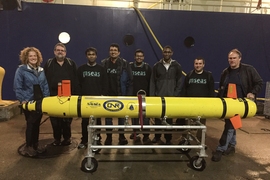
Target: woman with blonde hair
[(30, 84)]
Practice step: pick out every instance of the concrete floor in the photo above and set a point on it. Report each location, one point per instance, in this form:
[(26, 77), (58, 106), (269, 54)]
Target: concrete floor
[(250, 162)]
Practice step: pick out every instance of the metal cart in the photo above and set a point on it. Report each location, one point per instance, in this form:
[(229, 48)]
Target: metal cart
[(90, 164)]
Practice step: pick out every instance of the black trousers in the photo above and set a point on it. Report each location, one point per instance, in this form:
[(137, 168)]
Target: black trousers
[(61, 126), (85, 123), (32, 127), (168, 137)]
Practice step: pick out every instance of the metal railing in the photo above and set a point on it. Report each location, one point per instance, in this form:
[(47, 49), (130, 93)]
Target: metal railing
[(232, 6)]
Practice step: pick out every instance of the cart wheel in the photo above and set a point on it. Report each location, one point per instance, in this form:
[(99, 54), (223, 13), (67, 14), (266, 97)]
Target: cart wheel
[(194, 164), (92, 168), (96, 150), (184, 142)]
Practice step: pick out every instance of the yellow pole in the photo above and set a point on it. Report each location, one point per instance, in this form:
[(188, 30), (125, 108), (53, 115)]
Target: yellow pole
[(2, 74)]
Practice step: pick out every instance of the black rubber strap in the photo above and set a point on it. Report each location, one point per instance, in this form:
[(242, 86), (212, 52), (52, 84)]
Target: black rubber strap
[(163, 111), (79, 110), (39, 105), (246, 108), (224, 108), (26, 106)]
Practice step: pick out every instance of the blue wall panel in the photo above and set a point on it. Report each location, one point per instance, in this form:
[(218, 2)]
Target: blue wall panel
[(215, 35)]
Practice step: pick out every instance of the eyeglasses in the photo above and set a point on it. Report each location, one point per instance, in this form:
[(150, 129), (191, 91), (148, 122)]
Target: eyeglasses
[(138, 56), (61, 50), (168, 52)]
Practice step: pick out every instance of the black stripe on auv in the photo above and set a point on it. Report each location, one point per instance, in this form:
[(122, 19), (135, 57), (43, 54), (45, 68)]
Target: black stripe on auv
[(246, 108), (224, 108), (163, 111), (79, 109)]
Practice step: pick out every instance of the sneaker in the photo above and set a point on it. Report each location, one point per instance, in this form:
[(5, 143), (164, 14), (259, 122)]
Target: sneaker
[(137, 138), (147, 141), (56, 143), (137, 141), (108, 141), (123, 141), (29, 151), (82, 145), (217, 156), (66, 142), (230, 150)]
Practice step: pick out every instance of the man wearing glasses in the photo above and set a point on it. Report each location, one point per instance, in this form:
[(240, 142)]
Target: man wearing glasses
[(120, 83), (165, 82), (57, 69)]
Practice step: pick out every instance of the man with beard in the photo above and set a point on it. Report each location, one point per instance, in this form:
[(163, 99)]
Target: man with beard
[(57, 69)]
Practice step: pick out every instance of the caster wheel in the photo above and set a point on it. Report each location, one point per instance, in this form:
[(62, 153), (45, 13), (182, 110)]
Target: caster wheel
[(96, 150), (184, 150), (198, 166), (86, 168)]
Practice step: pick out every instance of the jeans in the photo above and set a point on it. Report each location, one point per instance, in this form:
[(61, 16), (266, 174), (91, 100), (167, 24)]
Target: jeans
[(228, 136)]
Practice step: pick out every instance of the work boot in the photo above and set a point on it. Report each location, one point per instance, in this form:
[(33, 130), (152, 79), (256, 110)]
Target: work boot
[(137, 140), (230, 150), (122, 140), (147, 141), (132, 136), (29, 151), (155, 140), (66, 142), (160, 142), (217, 156), (39, 149), (168, 142)]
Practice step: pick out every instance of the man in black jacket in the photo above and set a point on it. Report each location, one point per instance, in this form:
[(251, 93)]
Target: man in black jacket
[(120, 83), (57, 69), (248, 84), (165, 81)]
